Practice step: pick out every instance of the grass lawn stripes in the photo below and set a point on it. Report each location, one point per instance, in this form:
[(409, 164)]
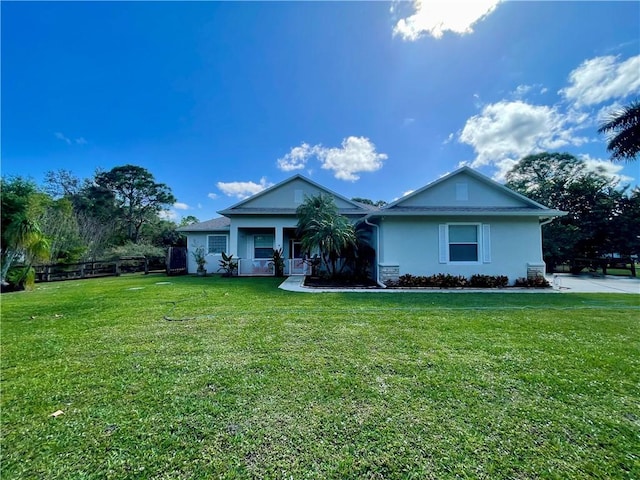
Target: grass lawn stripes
[(263, 383)]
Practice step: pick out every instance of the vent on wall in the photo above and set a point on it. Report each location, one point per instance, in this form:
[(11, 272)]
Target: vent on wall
[(298, 197), (462, 192)]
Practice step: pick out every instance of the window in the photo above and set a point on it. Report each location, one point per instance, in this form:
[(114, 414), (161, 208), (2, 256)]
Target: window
[(463, 243), (216, 244), (296, 249), (262, 246)]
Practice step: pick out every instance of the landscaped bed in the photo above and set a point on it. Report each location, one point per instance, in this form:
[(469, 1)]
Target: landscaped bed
[(207, 377)]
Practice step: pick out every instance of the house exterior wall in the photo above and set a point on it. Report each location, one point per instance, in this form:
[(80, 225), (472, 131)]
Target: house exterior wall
[(290, 195), (451, 193), (200, 239), (412, 243)]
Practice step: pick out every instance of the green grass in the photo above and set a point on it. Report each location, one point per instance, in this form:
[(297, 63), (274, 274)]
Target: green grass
[(262, 383)]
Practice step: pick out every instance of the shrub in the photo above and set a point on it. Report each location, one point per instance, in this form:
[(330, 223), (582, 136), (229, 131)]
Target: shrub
[(446, 280), (20, 278), (488, 281), (536, 282)]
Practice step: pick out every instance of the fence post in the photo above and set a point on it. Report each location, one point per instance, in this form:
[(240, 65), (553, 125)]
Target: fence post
[(117, 269), (146, 266)]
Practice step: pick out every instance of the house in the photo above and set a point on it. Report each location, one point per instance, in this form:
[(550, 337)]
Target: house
[(461, 224)]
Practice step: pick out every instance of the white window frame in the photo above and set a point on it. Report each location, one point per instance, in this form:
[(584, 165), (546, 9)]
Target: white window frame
[(253, 246), (226, 244), (482, 242)]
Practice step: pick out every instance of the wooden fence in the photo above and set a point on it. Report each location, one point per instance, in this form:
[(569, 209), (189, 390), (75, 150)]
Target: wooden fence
[(101, 268)]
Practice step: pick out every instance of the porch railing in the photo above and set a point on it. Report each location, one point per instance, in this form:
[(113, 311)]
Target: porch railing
[(264, 267)]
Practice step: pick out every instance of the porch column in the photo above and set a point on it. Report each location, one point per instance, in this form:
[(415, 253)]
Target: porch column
[(279, 238), (233, 240)]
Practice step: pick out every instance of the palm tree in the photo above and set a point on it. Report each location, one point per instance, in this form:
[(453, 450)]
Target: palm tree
[(323, 229), (24, 239), (623, 132)]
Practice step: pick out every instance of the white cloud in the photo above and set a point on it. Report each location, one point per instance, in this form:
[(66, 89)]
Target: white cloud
[(297, 158), (60, 136), (170, 215), (181, 206), (436, 17), (408, 121), (212, 196), (507, 131), (243, 190), (601, 79), (606, 168), (357, 154), (68, 141)]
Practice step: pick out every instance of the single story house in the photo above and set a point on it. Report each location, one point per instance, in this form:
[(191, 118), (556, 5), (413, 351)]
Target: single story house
[(461, 224)]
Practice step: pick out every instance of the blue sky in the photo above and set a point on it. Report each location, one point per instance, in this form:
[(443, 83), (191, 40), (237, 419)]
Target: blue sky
[(371, 99)]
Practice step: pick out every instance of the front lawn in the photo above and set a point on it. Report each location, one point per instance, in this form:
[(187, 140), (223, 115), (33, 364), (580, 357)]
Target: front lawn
[(249, 381)]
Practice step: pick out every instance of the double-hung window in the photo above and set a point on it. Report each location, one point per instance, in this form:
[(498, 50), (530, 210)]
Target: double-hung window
[(216, 244), (465, 243), (263, 246)]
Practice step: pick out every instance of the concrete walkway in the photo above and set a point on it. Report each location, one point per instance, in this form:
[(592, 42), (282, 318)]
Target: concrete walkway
[(561, 282)]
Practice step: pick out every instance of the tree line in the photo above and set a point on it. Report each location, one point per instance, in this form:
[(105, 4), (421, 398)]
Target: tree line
[(113, 214)]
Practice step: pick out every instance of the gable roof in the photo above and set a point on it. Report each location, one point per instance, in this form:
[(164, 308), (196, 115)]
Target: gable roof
[(252, 204), (215, 224), (507, 202)]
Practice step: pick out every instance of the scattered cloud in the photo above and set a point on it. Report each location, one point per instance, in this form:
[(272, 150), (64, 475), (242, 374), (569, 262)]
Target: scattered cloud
[(434, 17), (507, 131), (523, 90), (606, 168), (60, 136), (69, 141), (408, 121), (181, 206), (170, 215), (357, 154), (449, 139), (243, 190), (212, 196), (601, 79), (297, 158)]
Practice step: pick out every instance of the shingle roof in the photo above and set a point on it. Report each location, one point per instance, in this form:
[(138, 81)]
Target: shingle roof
[(471, 211), (285, 211), (215, 224)]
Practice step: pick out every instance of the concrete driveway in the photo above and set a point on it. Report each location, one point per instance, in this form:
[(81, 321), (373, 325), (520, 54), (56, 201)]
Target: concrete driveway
[(565, 282)]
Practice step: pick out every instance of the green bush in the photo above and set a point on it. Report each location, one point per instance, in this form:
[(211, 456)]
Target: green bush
[(446, 280), (536, 282), (21, 278)]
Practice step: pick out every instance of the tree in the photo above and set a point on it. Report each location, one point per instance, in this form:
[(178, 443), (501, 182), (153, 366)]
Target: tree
[(368, 201), (188, 220), (592, 199), (623, 132), (138, 197), (22, 239), (323, 229)]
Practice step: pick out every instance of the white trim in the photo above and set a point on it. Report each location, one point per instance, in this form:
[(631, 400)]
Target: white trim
[(486, 243), (443, 244)]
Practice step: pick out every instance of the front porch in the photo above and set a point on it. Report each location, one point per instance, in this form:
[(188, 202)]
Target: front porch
[(256, 247)]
